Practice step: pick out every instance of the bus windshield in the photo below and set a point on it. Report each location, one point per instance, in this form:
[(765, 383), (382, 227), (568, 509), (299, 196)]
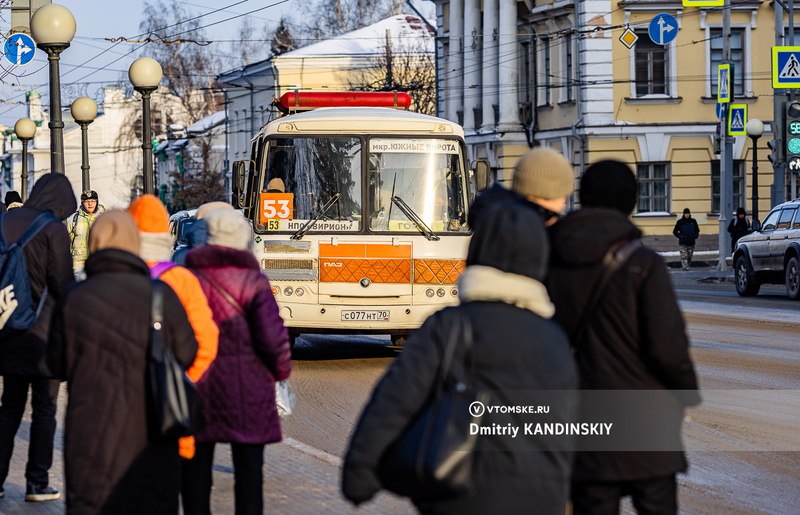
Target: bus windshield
[(418, 177), (303, 175)]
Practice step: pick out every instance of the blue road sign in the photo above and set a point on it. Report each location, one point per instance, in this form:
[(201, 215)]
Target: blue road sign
[(720, 110), (785, 67), (737, 121), (19, 49), (663, 29)]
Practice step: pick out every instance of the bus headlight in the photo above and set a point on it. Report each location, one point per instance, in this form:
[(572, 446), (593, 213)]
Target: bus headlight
[(429, 292), (288, 291), (299, 292), (440, 292)]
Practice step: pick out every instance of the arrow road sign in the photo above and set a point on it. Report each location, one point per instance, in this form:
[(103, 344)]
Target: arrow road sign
[(794, 164), (737, 120), (19, 49), (786, 67), (663, 29)]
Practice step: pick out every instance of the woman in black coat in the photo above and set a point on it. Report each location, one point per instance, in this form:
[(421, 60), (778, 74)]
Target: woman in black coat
[(516, 348), (99, 343)]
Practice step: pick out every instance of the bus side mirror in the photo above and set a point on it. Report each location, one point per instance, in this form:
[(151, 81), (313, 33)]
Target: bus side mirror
[(482, 174), (238, 180)]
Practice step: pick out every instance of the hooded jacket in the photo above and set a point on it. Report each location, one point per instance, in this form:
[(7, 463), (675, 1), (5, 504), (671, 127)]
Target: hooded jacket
[(515, 348), (636, 338), (49, 266), (78, 226), (686, 230)]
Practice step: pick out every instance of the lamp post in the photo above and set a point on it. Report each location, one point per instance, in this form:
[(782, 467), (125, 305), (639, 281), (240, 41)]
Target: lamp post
[(84, 111), (145, 74), (53, 28), (25, 129), (755, 128)]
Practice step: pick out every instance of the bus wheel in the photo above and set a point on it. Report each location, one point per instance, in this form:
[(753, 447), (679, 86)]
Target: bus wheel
[(292, 339), (398, 340)]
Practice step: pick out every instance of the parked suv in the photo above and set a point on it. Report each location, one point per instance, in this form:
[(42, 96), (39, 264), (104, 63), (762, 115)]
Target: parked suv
[(771, 254)]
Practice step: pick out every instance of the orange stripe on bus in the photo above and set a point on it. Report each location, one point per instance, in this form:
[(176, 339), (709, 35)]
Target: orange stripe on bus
[(361, 250)]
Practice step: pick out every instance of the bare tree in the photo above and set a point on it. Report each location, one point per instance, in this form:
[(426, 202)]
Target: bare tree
[(335, 17), (282, 38)]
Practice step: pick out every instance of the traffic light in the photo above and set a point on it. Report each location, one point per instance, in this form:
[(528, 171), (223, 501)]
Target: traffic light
[(792, 129), (774, 152)]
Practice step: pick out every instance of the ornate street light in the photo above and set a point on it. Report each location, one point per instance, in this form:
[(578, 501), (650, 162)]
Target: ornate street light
[(84, 111), (145, 74), (755, 128), (25, 129), (53, 28)]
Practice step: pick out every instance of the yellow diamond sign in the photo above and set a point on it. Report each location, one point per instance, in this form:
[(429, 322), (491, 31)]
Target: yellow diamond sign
[(629, 38)]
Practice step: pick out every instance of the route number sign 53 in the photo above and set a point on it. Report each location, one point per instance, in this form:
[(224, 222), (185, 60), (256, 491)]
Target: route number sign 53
[(276, 206)]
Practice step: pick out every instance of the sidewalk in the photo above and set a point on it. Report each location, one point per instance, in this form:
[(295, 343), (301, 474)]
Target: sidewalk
[(298, 479)]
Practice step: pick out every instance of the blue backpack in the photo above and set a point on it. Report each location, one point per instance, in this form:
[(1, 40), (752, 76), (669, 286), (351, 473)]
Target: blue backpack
[(17, 312)]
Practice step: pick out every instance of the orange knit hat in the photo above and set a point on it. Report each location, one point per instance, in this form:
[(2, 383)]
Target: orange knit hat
[(150, 214)]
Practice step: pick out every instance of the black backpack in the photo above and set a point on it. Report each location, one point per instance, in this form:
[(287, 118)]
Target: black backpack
[(17, 311)]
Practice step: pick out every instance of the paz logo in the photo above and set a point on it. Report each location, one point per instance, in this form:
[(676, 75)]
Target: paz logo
[(8, 304)]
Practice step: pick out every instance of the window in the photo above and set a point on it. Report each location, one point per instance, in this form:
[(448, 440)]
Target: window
[(568, 65), (545, 73), (737, 57), (771, 221), (785, 221), (654, 187), (651, 67), (527, 61), (738, 185)]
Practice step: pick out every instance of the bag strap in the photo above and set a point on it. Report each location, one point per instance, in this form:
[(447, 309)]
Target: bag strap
[(161, 267), (615, 257), (222, 291), (462, 332), (157, 306), (37, 225)]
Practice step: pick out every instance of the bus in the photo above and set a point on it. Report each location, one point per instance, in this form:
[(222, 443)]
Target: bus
[(359, 210)]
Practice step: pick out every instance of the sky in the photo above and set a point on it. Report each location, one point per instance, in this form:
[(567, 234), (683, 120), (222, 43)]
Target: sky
[(92, 61)]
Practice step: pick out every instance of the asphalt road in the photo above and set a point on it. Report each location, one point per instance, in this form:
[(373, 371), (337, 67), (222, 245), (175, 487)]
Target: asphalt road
[(740, 440)]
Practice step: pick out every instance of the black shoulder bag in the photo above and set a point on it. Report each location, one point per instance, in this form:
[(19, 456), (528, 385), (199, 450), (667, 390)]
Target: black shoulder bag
[(174, 400), (434, 456)]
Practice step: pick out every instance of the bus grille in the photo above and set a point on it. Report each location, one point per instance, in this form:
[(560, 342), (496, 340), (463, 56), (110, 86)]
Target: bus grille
[(290, 269)]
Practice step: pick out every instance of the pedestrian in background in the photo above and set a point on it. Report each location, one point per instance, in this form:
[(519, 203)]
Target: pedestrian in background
[(152, 220), (515, 348), (22, 356), (79, 224), (12, 199), (237, 395), (99, 345), (687, 231), (197, 233), (738, 227), (635, 339), (543, 178)]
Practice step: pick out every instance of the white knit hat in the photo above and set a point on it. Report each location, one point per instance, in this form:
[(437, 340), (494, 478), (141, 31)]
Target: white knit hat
[(229, 229)]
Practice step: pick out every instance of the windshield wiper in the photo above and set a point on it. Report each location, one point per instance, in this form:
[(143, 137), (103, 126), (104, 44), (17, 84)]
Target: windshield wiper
[(308, 225), (414, 217)]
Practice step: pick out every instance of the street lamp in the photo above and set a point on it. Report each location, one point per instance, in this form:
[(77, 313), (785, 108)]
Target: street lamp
[(145, 74), (755, 128), (84, 111), (53, 27), (25, 129)]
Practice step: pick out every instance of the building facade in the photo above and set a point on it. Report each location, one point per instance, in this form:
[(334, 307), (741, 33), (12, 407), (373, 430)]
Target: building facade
[(555, 73)]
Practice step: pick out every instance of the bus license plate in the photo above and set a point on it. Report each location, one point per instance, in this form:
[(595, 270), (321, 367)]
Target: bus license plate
[(377, 315)]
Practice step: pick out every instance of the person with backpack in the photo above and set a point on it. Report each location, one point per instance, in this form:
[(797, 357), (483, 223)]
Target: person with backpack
[(115, 459), (79, 224), (628, 334), (687, 231), (12, 200), (152, 220), (197, 233), (22, 353)]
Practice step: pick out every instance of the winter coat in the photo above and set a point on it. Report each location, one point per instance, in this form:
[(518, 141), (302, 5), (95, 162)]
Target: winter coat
[(636, 339), (99, 344), (78, 225), (515, 348), (686, 230), (238, 392), (49, 266), (737, 228)]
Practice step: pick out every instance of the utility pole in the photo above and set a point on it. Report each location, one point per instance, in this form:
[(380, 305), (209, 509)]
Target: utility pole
[(793, 178), (726, 150), (778, 173)]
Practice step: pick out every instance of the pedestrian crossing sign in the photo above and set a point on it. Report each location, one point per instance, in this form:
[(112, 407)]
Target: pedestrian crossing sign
[(737, 120), (724, 83), (786, 67), (703, 3)]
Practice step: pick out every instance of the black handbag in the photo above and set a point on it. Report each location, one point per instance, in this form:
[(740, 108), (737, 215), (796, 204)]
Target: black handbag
[(173, 398), (434, 457)]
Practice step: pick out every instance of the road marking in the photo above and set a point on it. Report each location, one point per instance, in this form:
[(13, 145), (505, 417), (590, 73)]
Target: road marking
[(313, 451)]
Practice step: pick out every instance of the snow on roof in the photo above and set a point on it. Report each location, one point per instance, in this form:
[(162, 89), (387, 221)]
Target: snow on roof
[(406, 31), (207, 123)]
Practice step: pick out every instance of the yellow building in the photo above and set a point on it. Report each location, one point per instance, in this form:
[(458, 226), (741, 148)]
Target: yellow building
[(555, 73)]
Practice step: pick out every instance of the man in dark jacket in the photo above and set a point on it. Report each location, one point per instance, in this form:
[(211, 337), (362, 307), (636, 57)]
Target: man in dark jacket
[(738, 227), (687, 232), (22, 356), (635, 339)]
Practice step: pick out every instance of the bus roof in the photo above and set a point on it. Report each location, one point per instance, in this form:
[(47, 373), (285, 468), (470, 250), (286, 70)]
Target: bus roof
[(362, 120)]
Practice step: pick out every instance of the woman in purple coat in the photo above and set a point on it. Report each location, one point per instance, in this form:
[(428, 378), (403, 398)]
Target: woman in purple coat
[(237, 393)]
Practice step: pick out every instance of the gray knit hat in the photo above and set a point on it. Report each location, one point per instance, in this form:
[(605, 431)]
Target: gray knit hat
[(543, 173), (229, 229)]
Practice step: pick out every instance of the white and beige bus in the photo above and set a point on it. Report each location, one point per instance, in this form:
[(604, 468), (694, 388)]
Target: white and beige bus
[(359, 212)]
